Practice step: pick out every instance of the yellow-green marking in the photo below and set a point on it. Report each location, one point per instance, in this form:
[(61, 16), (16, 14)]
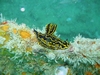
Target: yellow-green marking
[(49, 40)]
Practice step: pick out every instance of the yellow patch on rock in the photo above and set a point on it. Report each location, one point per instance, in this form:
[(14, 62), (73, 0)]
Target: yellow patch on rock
[(5, 27), (15, 30), (25, 34)]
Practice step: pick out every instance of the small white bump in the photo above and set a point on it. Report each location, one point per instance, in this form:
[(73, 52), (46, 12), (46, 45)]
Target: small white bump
[(22, 9)]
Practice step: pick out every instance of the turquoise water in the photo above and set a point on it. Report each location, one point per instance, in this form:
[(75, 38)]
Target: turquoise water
[(73, 17)]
